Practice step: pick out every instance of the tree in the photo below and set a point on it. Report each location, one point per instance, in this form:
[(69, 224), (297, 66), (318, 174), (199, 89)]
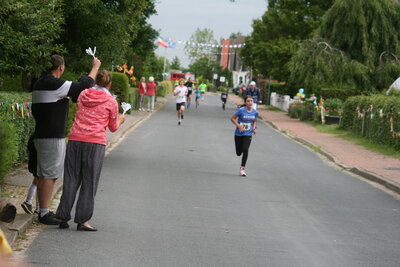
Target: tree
[(276, 35), (201, 44), (28, 33), (109, 25), (175, 64), (358, 41)]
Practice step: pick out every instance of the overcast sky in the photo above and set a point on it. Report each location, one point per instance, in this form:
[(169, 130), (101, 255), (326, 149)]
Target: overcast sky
[(179, 19)]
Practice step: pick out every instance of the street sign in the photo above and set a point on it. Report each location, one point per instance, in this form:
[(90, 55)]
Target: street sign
[(215, 76), (222, 79)]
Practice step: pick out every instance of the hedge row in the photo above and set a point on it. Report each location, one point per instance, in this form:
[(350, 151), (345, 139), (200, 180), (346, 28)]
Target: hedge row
[(15, 131), (341, 94), (164, 88), (375, 117)]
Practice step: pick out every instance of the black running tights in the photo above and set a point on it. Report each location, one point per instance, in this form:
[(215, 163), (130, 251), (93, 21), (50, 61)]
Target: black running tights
[(242, 144)]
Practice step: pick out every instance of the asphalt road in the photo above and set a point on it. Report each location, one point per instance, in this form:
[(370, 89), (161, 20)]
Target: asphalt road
[(171, 196)]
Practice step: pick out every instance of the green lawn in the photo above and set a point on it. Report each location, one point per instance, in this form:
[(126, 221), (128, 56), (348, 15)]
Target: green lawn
[(334, 129)]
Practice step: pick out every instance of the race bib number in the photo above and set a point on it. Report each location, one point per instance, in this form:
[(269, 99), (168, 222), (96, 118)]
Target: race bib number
[(246, 126), (223, 96)]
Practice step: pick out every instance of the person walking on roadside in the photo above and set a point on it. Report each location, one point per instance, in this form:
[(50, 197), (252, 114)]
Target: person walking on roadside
[(142, 92), (224, 98), (97, 110), (203, 88), (151, 94), (245, 120), (180, 92), (50, 105), (254, 92), (189, 85)]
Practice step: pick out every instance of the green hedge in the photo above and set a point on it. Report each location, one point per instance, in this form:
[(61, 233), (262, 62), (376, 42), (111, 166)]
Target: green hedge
[(15, 130), (8, 146), (341, 94), (165, 88), (10, 83), (381, 116), (303, 111)]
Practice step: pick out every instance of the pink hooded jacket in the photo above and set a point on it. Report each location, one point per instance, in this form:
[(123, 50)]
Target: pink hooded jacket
[(96, 111)]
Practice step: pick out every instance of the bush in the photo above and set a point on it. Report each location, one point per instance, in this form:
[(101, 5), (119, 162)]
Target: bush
[(8, 146), (333, 106), (164, 88), (10, 83), (302, 110), (380, 116), (341, 94), (15, 130)]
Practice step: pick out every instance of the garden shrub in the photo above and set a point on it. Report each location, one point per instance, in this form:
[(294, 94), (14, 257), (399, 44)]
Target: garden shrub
[(120, 87), (164, 88), (15, 130), (381, 116), (301, 110), (341, 94), (8, 146), (10, 83), (333, 106)]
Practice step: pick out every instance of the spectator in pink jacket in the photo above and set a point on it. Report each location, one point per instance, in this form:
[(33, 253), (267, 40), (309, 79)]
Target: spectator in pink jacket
[(97, 110), (142, 92), (151, 94)]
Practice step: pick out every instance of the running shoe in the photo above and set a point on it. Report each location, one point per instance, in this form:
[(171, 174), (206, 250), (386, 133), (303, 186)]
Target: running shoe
[(27, 207), (182, 116), (242, 172), (179, 122)]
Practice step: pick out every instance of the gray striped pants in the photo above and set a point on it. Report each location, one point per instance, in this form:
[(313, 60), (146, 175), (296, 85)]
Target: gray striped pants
[(82, 169)]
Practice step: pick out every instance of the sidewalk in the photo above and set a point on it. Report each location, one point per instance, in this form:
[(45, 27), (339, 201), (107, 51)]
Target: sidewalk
[(17, 182), (354, 158)]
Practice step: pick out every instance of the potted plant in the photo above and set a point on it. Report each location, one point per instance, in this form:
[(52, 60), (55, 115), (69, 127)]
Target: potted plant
[(333, 110)]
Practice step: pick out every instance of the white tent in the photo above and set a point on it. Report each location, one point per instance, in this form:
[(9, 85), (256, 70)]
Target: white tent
[(394, 86)]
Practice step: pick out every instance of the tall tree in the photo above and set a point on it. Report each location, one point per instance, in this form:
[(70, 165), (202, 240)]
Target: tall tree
[(175, 64), (201, 44), (28, 31), (275, 36), (364, 47), (110, 25)]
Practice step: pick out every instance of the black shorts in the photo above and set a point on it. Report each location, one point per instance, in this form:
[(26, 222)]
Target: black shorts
[(189, 92), (178, 105)]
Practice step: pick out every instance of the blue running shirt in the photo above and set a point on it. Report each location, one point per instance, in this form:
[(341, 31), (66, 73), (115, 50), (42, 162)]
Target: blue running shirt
[(247, 119)]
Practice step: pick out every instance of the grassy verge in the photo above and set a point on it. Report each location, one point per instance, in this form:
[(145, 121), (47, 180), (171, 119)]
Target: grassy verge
[(272, 108), (334, 129)]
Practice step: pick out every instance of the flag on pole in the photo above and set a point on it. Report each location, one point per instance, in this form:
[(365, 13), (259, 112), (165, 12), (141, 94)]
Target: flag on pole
[(162, 42)]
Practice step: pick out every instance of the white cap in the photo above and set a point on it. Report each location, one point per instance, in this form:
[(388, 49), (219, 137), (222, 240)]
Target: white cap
[(253, 83)]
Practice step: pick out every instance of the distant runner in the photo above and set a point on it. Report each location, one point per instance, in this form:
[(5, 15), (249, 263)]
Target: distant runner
[(180, 92), (197, 94), (224, 97), (245, 120), (189, 85), (203, 88)]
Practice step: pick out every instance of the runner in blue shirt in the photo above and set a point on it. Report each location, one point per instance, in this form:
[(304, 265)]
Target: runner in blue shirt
[(245, 120)]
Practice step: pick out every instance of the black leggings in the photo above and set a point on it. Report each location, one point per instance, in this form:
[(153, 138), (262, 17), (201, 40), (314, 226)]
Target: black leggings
[(242, 144)]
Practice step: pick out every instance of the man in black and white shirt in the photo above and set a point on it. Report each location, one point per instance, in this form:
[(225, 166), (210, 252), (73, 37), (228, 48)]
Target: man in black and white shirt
[(50, 105)]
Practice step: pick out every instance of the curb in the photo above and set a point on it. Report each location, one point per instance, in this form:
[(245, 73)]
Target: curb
[(358, 171)]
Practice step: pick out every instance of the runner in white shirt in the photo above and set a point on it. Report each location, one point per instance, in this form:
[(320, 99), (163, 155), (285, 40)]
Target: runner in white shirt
[(180, 92)]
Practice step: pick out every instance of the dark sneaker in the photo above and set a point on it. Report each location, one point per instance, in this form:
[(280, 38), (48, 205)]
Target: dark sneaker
[(182, 116), (27, 207), (179, 122), (49, 219), (63, 225)]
